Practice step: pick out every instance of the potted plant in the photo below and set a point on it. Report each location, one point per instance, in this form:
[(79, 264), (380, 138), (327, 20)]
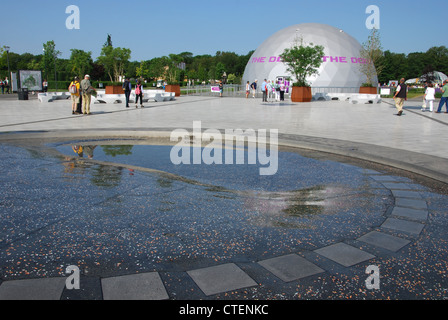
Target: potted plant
[(172, 74), (173, 86), (302, 61), (371, 57)]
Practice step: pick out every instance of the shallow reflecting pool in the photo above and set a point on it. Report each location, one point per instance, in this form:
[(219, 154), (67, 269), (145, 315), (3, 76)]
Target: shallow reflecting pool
[(127, 207)]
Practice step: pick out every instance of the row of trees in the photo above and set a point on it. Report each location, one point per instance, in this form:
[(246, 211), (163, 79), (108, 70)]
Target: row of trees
[(114, 62)]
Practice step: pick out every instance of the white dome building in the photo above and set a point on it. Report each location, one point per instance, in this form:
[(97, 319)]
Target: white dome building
[(340, 68)]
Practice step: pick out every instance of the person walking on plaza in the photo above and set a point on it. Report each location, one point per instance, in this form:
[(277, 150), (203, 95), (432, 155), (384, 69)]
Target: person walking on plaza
[(86, 88), (400, 96), (127, 87), (276, 90), (45, 85), (282, 91), (74, 91), (429, 97), (139, 93), (247, 89), (6, 82), (444, 99), (221, 88), (264, 91), (269, 90), (254, 88), (2, 84)]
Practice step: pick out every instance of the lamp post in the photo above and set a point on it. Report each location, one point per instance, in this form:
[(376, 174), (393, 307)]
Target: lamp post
[(55, 76), (9, 71)]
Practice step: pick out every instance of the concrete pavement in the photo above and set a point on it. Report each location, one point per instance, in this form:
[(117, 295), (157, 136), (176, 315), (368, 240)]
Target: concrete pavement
[(415, 142)]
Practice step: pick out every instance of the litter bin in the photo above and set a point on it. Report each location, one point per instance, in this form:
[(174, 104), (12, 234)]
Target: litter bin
[(23, 94)]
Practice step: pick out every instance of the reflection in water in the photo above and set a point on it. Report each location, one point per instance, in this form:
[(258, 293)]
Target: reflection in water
[(283, 208), (120, 150), (80, 150), (102, 175), (286, 209), (106, 176)]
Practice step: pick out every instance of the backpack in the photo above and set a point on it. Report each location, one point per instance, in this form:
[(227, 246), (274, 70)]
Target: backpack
[(73, 89), (138, 89)]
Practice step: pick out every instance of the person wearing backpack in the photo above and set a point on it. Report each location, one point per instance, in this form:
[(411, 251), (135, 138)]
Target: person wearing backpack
[(74, 91), (139, 93), (127, 88)]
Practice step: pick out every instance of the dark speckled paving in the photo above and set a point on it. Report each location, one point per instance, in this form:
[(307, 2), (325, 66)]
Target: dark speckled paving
[(309, 231)]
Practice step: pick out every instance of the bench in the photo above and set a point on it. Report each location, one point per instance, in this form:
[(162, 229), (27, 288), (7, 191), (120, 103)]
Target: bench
[(365, 98), (51, 96)]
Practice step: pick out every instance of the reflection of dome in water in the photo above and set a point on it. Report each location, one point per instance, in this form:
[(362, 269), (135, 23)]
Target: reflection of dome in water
[(340, 67)]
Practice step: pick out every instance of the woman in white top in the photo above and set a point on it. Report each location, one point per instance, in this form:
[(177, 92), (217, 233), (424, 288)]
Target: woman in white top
[(430, 96)]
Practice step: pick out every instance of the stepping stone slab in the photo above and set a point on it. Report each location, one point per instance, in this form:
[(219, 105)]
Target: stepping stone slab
[(411, 203), (406, 194), (290, 267), (222, 278), (143, 286), (344, 254), (396, 186), (385, 178), (403, 225), (413, 214), (32, 289), (384, 240)]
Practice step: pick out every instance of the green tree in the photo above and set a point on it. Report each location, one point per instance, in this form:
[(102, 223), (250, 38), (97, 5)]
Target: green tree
[(49, 57), (81, 62), (372, 52), (220, 69), (114, 60), (303, 60), (394, 67)]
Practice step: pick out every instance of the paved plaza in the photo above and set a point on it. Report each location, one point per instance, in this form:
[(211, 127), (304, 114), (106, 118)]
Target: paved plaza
[(369, 189)]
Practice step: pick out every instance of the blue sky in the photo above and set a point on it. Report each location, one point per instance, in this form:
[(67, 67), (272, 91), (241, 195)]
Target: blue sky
[(156, 28)]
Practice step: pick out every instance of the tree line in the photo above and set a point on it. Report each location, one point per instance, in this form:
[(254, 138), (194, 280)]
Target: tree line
[(115, 62)]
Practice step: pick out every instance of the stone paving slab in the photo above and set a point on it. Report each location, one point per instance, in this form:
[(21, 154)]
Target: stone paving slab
[(403, 225), (396, 185), (144, 286), (32, 289), (413, 214), (384, 240), (290, 267), (382, 178), (344, 254), (411, 203), (406, 194), (222, 278)]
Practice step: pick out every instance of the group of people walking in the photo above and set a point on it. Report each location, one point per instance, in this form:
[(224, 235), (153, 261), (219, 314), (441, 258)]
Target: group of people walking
[(271, 91), (138, 90), (428, 99)]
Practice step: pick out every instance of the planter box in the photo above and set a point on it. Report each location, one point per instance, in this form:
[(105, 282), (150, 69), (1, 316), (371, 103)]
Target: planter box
[(301, 94), (173, 88), (368, 90), (114, 90)]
